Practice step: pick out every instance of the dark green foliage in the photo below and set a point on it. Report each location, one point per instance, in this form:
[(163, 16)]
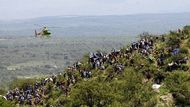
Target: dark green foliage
[(173, 41), (184, 51), (179, 84), (91, 93), (187, 27), (126, 90), (135, 92), (4, 103), (22, 83)]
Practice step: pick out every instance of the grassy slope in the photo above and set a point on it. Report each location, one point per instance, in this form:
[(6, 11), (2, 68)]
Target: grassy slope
[(130, 88)]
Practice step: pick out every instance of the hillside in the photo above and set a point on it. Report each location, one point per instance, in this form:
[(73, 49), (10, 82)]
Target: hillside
[(27, 57), (153, 71)]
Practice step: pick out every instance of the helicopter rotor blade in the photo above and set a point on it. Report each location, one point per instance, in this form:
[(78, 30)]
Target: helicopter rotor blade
[(38, 25), (55, 26), (48, 26)]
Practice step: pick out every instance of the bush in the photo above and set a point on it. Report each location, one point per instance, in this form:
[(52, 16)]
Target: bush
[(184, 50), (92, 93), (173, 41), (187, 27), (179, 84), (5, 103), (22, 83)]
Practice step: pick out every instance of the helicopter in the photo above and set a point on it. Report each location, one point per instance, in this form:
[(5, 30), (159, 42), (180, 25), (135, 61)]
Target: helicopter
[(44, 33)]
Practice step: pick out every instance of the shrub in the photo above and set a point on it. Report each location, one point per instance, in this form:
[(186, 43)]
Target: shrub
[(92, 93), (22, 83), (184, 50), (5, 103), (187, 27), (179, 84)]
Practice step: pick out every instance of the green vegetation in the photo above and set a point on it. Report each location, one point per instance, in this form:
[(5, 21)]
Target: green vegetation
[(131, 87), (4, 103), (179, 84), (24, 57)]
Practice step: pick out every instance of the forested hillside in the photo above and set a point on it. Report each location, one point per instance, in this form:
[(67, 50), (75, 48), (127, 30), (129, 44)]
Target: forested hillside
[(153, 71)]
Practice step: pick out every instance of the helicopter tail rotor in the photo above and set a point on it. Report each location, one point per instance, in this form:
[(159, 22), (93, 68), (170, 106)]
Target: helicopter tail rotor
[(36, 34)]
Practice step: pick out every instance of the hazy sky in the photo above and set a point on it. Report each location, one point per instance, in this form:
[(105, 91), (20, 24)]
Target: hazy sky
[(21, 9)]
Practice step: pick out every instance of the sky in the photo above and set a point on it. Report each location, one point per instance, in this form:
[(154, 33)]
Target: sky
[(24, 9)]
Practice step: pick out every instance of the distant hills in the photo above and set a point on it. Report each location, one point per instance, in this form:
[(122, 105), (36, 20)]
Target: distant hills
[(97, 25)]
